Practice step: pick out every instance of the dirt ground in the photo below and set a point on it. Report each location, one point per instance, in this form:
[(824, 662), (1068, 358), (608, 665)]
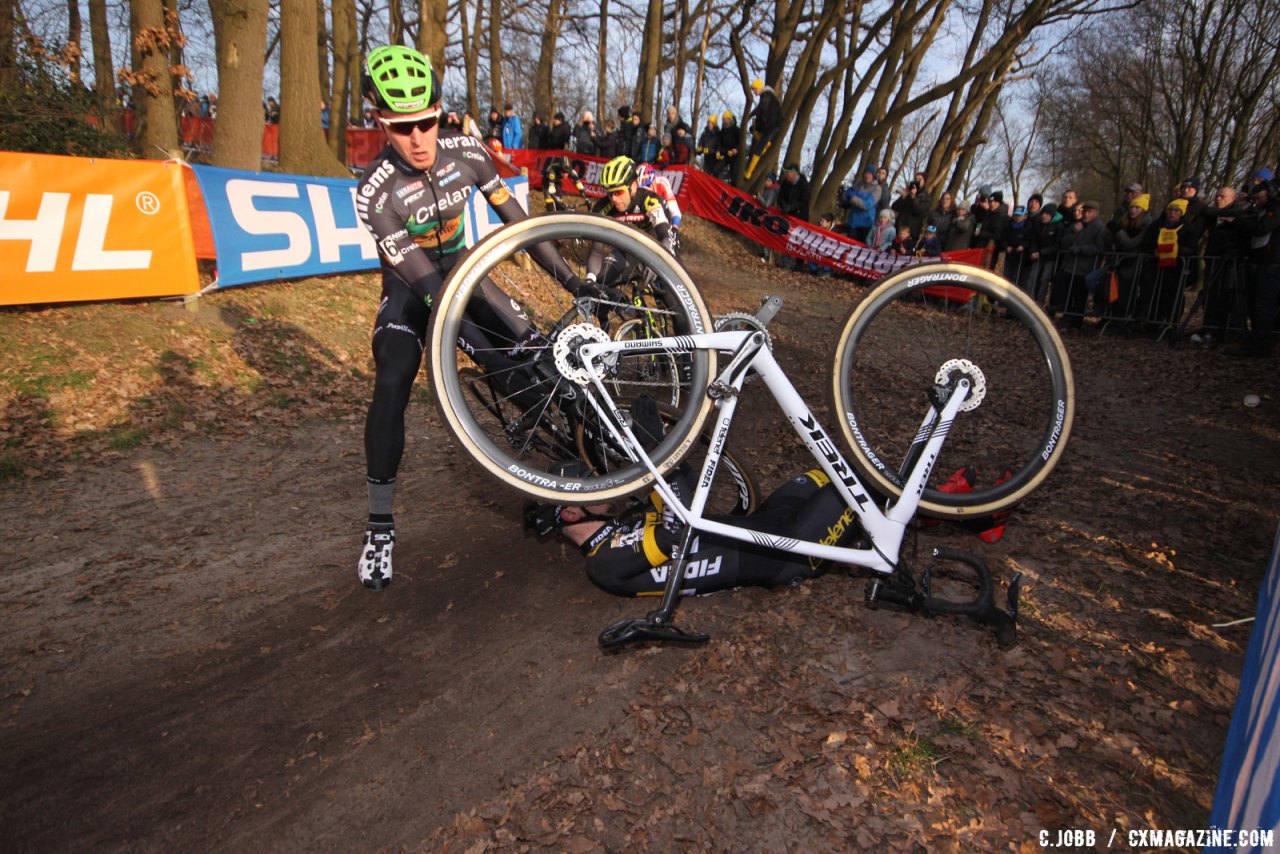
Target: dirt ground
[(189, 663)]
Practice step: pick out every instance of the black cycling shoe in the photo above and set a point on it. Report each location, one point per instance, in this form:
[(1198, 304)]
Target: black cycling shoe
[(645, 422)]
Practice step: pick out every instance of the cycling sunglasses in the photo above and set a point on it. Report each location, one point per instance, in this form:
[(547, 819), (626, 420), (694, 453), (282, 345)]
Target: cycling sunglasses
[(405, 127)]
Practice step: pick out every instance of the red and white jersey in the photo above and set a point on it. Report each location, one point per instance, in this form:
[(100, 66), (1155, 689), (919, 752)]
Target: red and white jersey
[(662, 188)]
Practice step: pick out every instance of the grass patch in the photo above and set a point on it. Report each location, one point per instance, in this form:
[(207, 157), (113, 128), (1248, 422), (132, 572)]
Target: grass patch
[(955, 725), (126, 438), (918, 755), (10, 466), (175, 414)]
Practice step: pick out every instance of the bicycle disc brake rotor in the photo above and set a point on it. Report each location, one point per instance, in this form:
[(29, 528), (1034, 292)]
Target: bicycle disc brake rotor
[(977, 381), (568, 363)]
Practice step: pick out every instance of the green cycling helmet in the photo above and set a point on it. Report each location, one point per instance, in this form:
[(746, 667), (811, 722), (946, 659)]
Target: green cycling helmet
[(401, 80), (618, 173)]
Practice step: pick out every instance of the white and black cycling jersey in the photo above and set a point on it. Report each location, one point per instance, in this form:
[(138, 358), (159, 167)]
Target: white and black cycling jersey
[(416, 216)]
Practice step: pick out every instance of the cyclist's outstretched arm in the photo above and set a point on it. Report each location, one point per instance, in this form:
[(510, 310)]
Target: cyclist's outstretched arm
[(509, 211)]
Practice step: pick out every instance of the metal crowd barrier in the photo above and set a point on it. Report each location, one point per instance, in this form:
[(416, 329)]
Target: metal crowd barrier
[(1197, 291)]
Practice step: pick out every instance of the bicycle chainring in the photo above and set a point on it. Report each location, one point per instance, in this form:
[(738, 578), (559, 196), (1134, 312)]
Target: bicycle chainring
[(737, 321)]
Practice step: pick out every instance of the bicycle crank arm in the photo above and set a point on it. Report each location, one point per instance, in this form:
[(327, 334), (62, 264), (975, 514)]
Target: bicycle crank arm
[(769, 307), (981, 608)]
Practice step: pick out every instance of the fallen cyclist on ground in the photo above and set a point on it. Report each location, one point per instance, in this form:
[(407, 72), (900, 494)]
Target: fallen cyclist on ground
[(630, 554)]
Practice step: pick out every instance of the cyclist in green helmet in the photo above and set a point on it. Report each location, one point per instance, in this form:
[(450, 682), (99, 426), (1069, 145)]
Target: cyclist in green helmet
[(412, 198)]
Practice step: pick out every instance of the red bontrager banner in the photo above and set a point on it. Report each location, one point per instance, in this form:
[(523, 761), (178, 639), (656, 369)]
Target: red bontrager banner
[(718, 202), (703, 196)]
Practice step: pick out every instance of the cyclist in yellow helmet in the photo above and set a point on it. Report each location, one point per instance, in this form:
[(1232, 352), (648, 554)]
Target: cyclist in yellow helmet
[(626, 201)]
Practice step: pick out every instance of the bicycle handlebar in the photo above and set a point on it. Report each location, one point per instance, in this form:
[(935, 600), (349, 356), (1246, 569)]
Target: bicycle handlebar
[(981, 608)]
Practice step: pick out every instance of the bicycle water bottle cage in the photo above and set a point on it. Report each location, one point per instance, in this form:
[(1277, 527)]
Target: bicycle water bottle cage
[(982, 608)]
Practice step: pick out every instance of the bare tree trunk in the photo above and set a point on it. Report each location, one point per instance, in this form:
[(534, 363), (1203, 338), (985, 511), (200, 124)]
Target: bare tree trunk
[(104, 72), (395, 28), (650, 61), (356, 69), (495, 53), (322, 54), (677, 85), (470, 50), (433, 21), (543, 96), (73, 39), (183, 97), (8, 46), (240, 34), (344, 49), (155, 127), (695, 117), (602, 65), (303, 150)]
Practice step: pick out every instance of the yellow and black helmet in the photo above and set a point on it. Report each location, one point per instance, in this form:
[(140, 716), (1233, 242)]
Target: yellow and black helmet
[(618, 173)]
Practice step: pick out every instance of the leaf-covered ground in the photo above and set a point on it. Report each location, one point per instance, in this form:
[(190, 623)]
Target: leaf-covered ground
[(189, 664)]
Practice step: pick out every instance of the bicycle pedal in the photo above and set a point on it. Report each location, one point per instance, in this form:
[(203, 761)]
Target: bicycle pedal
[(635, 630)]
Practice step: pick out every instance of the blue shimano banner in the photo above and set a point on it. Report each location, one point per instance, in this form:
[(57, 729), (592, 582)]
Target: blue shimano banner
[(272, 226), (1248, 796), (268, 226)]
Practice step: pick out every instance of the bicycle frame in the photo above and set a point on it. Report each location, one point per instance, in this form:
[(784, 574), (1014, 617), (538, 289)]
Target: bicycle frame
[(884, 529)]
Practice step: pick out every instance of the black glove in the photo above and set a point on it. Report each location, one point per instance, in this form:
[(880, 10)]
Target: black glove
[(612, 300), (579, 288)]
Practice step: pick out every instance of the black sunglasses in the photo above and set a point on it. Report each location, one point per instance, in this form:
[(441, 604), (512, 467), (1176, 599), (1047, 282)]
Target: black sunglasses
[(406, 128)]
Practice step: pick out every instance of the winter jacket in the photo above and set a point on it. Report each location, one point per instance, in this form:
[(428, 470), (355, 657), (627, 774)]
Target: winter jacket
[(959, 235), (537, 133), (882, 235), (1081, 249), (861, 199), (558, 136), (585, 139), (910, 210), (767, 118), (793, 199), (512, 132)]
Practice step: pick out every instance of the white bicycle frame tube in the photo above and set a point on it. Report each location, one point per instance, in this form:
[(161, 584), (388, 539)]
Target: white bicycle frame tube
[(885, 529)]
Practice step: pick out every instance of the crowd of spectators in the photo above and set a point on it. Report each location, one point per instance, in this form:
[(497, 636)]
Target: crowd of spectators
[(670, 144), (1132, 267)]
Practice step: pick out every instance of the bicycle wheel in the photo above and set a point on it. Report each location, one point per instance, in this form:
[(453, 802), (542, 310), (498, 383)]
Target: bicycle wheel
[(735, 489), (550, 435), (544, 386), (949, 319), (658, 373)]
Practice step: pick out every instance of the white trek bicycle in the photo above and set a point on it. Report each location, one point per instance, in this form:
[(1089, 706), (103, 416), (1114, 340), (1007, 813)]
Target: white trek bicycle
[(958, 343)]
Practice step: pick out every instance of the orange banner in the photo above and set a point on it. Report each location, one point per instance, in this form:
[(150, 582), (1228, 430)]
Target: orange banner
[(74, 229)]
